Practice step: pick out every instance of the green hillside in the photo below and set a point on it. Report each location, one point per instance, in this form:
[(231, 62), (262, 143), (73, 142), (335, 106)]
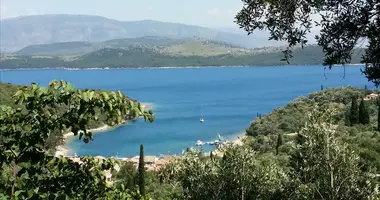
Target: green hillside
[(171, 56), (63, 48), (288, 120), (7, 91), (182, 47), (203, 48), (80, 48)]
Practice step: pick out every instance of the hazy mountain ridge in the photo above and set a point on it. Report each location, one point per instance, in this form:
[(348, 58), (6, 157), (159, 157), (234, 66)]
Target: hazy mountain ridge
[(161, 44), (139, 56), (17, 33)]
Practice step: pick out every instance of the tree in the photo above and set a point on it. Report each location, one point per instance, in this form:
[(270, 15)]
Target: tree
[(354, 114), (367, 91), (343, 25), (280, 142), (36, 174), (127, 175), (236, 173), (363, 112), (378, 115), (324, 167), (141, 171)]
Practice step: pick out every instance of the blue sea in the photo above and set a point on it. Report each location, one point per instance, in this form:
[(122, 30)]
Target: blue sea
[(227, 98)]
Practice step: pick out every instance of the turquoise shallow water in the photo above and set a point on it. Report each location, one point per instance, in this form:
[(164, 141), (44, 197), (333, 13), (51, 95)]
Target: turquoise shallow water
[(227, 98)]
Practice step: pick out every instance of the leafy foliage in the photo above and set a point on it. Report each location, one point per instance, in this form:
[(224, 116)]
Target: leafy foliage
[(324, 166), (280, 142), (34, 172), (157, 190), (291, 118), (238, 174), (343, 24), (354, 114), (362, 138), (363, 112), (8, 90), (127, 175), (321, 166)]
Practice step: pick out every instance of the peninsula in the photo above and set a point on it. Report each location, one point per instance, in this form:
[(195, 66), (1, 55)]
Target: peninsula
[(176, 53)]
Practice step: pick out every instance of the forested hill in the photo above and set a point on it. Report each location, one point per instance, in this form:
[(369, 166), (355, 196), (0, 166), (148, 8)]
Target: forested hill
[(178, 55), (185, 46), (360, 132)]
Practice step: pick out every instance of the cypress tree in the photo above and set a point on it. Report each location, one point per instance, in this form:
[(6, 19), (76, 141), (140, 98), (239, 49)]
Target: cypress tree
[(141, 171), (378, 115), (280, 142), (366, 90), (363, 113), (354, 115)]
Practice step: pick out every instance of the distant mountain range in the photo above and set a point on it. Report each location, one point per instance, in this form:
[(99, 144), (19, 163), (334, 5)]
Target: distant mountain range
[(20, 32), (80, 41)]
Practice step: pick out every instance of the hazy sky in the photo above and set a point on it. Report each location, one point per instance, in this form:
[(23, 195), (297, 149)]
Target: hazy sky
[(211, 13)]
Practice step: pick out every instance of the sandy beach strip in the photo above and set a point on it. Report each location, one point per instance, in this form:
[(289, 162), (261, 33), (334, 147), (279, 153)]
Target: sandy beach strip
[(64, 151)]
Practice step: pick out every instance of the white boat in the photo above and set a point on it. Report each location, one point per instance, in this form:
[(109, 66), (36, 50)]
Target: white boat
[(201, 120), (199, 143)]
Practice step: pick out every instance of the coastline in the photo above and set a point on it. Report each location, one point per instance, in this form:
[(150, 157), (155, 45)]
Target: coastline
[(237, 139), (63, 150), (167, 67), (94, 130)]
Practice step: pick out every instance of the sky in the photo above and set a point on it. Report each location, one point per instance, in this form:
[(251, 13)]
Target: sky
[(209, 13)]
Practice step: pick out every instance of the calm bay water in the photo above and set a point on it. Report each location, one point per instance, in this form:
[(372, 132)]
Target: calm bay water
[(227, 98)]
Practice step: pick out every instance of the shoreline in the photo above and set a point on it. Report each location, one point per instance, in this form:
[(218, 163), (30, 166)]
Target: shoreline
[(167, 67), (63, 150), (238, 139), (103, 128)]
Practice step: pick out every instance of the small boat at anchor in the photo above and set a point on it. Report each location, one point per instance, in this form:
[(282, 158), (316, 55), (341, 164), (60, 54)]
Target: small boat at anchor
[(199, 143)]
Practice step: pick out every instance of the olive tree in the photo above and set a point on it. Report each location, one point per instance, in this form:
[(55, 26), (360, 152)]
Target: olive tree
[(343, 25), (33, 173), (323, 166), (233, 173)]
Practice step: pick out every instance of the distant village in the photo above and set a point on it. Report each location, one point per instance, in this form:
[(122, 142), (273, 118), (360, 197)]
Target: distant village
[(152, 163), (372, 96)]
